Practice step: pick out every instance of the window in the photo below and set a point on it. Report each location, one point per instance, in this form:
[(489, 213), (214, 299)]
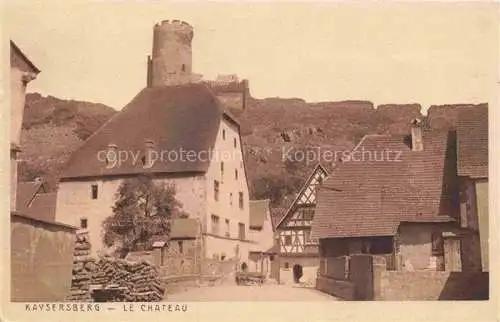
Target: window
[(241, 200), (223, 134), (83, 223), (236, 174), (227, 228), (287, 266), (183, 67), (216, 190), (222, 171), (241, 231), (230, 198), (215, 224), (307, 237), (235, 143), (181, 249), (288, 240), (94, 191)]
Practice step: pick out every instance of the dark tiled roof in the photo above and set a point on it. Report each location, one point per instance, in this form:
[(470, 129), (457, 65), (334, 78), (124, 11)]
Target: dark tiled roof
[(472, 139), (25, 193), (175, 118), (373, 196), (258, 213), (43, 206), (183, 228), (33, 201)]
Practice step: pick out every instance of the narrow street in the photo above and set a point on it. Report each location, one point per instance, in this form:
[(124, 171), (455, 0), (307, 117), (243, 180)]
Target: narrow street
[(234, 292)]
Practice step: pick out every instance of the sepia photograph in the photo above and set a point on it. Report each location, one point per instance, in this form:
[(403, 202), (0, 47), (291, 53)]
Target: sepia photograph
[(167, 153)]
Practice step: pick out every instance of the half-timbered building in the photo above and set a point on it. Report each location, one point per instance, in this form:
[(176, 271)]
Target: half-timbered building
[(298, 251)]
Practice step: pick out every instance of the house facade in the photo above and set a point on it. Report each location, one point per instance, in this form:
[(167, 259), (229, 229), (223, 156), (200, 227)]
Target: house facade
[(472, 168), (262, 252), (41, 250), (296, 247), (22, 71), (395, 197)]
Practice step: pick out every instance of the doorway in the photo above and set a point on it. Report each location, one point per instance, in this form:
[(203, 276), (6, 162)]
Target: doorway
[(297, 273)]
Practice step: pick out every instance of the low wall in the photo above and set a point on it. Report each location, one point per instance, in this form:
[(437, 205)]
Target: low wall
[(41, 260), (341, 289), (431, 285)]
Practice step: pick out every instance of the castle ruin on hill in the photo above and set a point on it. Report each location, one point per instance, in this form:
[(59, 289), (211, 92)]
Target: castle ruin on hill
[(170, 63)]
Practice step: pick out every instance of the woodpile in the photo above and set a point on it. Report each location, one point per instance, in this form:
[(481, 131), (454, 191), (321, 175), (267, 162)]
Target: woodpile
[(82, 268), (116, 280), (112, 280)]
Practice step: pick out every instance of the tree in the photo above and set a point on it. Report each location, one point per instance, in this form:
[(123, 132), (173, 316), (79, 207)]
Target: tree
[(143, 208)]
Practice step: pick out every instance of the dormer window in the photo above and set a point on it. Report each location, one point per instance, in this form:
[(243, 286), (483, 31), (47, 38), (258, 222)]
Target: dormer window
[(147, 159), (111, 156)]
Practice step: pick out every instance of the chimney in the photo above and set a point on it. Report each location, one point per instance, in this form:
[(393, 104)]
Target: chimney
[(417, 143)]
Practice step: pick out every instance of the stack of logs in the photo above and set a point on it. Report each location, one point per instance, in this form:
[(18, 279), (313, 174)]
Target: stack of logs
[(83, 265), (116, 280), (111, 280)]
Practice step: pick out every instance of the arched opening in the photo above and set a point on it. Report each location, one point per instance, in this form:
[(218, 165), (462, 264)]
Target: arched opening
[(297, 273), (244, 267)]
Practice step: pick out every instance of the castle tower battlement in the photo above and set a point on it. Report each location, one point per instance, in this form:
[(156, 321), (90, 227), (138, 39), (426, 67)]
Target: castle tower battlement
[(171, 59)]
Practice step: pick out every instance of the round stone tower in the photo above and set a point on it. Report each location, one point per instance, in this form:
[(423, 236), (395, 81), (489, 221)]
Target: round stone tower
[(171, 59)]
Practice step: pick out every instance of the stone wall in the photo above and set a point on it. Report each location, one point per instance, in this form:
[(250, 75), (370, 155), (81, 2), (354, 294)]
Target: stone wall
[(41, 260), (430, 285), (347, 277)]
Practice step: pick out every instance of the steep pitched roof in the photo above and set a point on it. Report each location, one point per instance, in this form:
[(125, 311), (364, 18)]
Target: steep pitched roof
[(372, 196), (26, 192), (258, 213), (43, 206), (472, 141), (19, 59), (178, 119), (304, 193)]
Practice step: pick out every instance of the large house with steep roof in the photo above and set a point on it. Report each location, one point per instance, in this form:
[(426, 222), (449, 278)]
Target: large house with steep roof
[(179, 131), (180, 135), (395, 196)]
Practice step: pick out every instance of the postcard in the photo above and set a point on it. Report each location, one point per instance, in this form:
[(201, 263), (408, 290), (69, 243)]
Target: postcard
[(202, 161)]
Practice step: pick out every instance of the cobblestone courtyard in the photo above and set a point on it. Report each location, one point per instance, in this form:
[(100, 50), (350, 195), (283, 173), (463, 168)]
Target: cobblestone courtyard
[(234, 292)]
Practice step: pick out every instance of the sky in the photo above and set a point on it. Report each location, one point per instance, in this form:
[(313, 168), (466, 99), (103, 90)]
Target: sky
[(384, 52)]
